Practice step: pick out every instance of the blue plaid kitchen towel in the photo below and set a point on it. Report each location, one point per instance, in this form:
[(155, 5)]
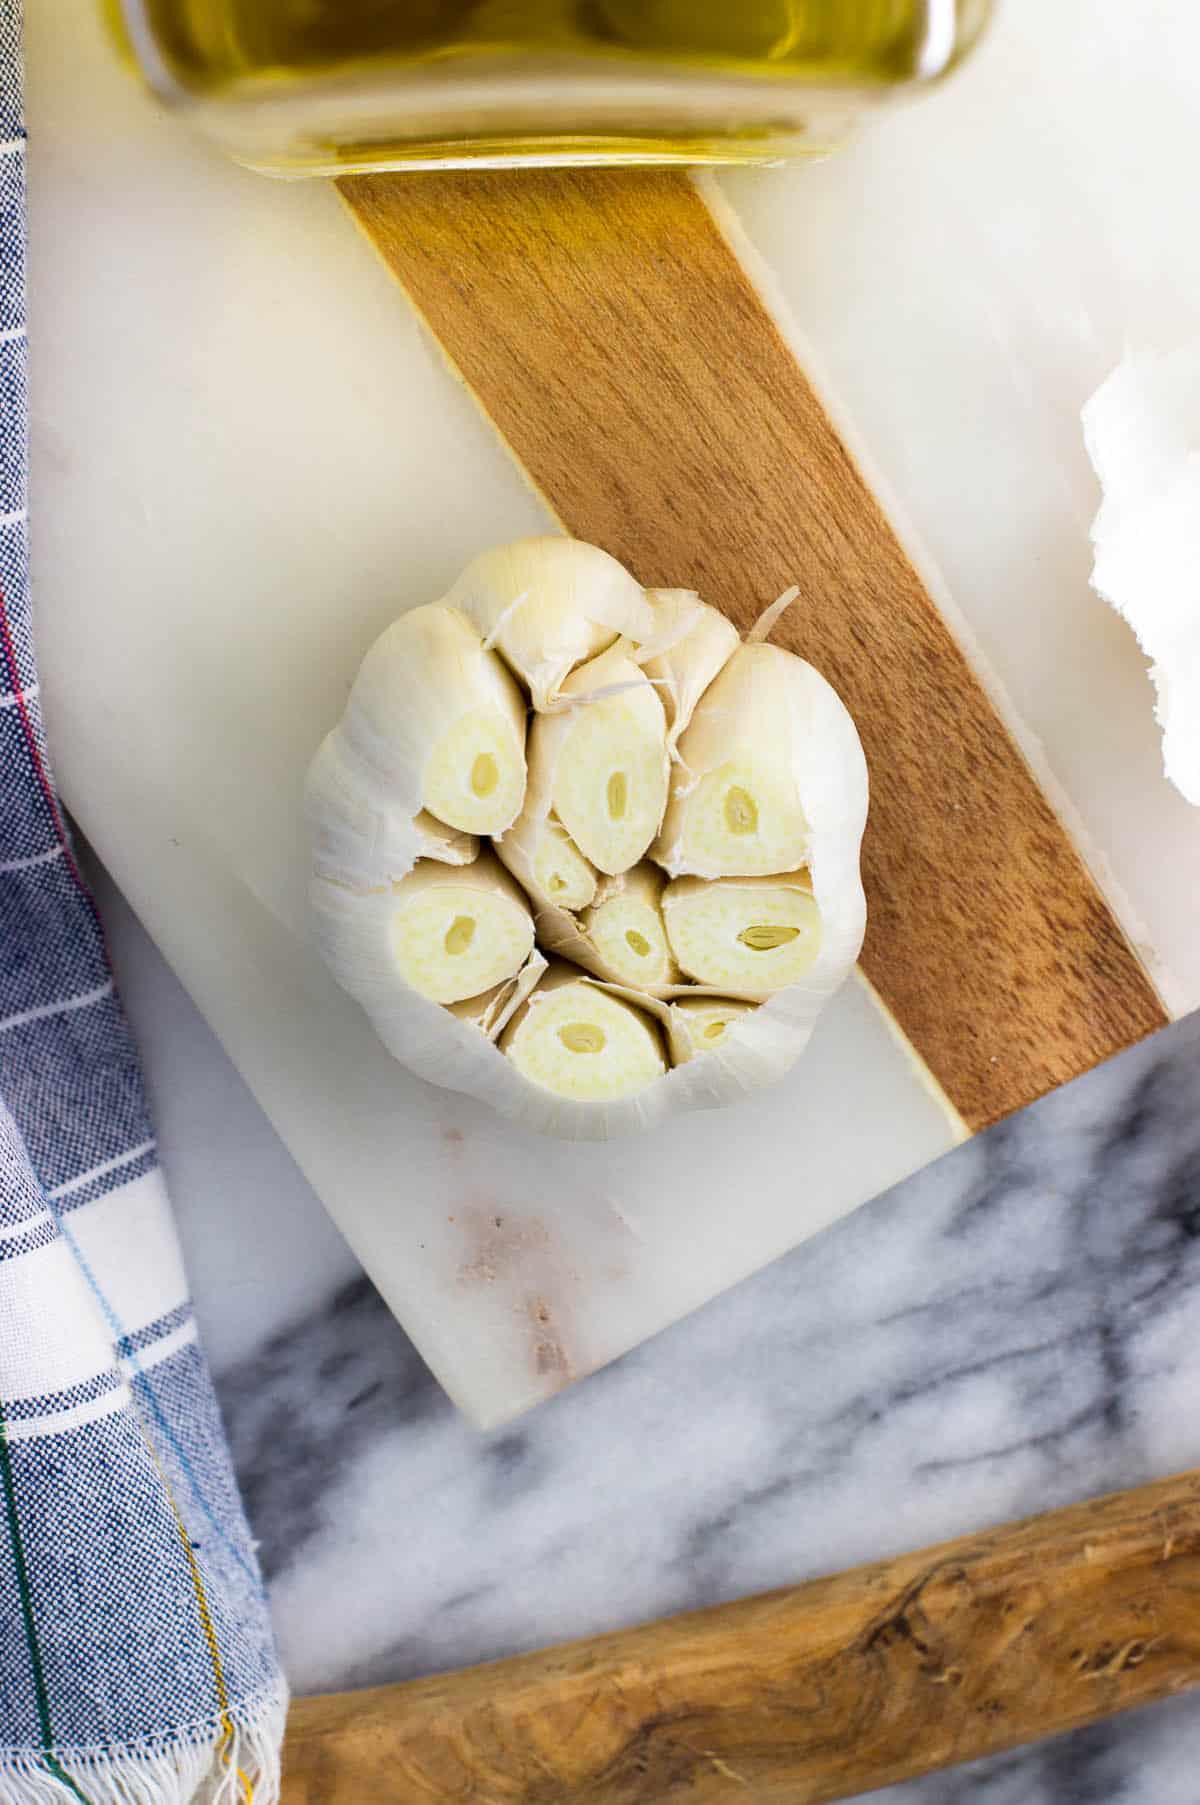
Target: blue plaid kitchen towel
[(136, 1658)]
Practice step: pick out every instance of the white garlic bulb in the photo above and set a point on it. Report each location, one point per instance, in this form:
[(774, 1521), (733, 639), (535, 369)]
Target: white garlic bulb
[(678, 828)]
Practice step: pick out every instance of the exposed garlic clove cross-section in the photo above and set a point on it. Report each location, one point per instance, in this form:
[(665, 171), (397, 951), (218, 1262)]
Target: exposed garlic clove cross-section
[(603, 758), (574, 1039), (747, 936), (539, 851), (701, 1024), (559, 870), (758, 736), (627, 934), (431, 748), (457, 933)]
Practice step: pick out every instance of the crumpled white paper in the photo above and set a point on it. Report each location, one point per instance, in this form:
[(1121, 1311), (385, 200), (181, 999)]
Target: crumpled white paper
[(1142, 431)]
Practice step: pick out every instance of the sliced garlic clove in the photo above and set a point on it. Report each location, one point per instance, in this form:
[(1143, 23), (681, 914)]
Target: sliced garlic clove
[(626, 933), (441, 721), (549, 604), (492, 1012), (541, 854), (769, 741), (701, 1024), (559, 875), (747, 936), (546, 862), (575, 1040), (455, 934), (603, 760), (683, 671)]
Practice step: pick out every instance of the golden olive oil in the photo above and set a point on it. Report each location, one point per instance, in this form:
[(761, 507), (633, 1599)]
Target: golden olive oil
[(296, 85)]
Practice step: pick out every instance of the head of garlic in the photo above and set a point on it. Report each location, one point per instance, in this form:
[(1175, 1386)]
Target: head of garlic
[(553, 763)]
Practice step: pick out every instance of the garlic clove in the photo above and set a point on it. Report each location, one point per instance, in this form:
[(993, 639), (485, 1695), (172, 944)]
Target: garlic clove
[(492, 1012), (749, 936), (701, 1024), (603, 759), (558, 872), (574, 1039), (706, 641), (539, 851), (627, 935), (767, 739), (441, 722), (549, 604), (455, 934)]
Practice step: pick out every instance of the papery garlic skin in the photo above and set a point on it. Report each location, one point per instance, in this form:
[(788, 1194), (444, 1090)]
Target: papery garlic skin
[(747, 936), (457, 933), (449, 845), (549, 604), (603, 758), (684, 671), (492, 1012)]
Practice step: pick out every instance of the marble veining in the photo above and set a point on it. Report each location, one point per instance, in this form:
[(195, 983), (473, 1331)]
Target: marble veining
[(1010, 1330), (1015, 1328)]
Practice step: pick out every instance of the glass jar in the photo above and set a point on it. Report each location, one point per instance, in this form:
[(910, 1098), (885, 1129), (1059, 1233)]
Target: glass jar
[(325, 87)]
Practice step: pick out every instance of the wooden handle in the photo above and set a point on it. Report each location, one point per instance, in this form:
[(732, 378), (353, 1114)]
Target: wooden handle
[(810, 1694), (607, 327)]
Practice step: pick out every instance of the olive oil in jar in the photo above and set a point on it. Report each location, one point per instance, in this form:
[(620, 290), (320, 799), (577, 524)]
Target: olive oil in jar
[(327, 86)]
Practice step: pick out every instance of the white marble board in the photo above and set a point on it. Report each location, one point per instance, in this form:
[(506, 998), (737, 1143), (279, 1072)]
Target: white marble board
[(247, 457)]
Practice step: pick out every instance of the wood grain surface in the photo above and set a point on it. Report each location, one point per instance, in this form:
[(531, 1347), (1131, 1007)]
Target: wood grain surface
[(607, 328), (819, 1692)]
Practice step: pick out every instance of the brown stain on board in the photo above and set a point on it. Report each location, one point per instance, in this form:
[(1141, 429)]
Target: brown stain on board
[(608, 329), (549, 1353), (499, 1244), (518, 1253)]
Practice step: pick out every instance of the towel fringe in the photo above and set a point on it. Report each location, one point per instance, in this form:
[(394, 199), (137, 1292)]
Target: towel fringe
[(204, 1766)]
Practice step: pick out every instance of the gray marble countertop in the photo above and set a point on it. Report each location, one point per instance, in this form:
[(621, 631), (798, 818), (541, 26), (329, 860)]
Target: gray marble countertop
[(1015, 1328)]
